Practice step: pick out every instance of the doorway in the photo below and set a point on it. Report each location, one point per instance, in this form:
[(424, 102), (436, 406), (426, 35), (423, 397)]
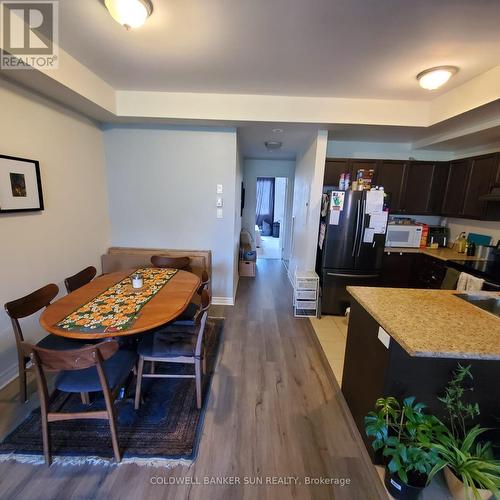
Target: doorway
[(270, 217)]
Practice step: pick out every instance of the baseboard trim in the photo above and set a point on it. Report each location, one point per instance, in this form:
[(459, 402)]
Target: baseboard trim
[(223, 301), (8, 375)]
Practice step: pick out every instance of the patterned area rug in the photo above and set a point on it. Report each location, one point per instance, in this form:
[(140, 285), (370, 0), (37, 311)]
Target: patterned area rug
[(165, 431)]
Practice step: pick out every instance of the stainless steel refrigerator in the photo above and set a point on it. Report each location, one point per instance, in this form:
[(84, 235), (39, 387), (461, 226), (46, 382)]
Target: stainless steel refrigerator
[(348, 254)]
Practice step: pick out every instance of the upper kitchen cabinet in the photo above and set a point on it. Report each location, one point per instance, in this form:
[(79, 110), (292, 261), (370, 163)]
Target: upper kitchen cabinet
[(334, 169), (425, 182), (496, 181), (391, 174), (456, 184), (468, 180), (480, 180)]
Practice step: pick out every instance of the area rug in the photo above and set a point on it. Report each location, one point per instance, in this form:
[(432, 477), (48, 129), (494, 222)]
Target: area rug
[(165, 431)]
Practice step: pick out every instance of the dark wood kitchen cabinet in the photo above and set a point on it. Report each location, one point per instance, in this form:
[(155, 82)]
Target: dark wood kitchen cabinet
[(425, 182), (428, 272), (451, 189), (392, 175), (479, 182), (334, 167), (398, 269), (456, 184), (333, 171)]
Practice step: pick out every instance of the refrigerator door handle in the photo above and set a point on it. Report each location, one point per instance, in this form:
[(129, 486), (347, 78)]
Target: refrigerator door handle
[(342, 275), (357, 230), (362, 227)]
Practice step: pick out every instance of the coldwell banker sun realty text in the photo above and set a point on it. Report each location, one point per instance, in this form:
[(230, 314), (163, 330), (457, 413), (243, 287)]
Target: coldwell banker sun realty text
[(29, 35)]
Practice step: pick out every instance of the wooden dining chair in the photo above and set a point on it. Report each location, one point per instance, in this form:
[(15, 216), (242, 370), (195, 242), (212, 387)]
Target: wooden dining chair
[(95, 368), (79, 279), (192, 311), (181, 345), (173, 262), (24, 307), (205, 282)]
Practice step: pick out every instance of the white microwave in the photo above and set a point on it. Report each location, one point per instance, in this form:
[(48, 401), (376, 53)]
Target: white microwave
[(403, 235)]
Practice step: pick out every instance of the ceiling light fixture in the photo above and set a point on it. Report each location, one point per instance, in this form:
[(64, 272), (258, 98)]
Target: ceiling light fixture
[(277, 130), (129, 13), (273, 144), (433, 78)]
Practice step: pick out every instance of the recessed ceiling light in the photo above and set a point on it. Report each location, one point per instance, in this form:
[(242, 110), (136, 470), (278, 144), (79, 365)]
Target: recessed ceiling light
[(273, 144), (129, 13), (433, 78), (278, 130)]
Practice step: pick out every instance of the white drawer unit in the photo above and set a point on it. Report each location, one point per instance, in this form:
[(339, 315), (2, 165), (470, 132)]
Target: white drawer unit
[(305, 294)]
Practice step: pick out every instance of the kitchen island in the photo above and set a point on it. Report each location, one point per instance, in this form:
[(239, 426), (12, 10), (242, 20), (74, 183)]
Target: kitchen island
[(406, 342)]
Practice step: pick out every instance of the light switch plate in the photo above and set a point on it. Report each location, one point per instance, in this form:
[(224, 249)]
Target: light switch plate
[(384, 337), (219, 213), (219, 188)]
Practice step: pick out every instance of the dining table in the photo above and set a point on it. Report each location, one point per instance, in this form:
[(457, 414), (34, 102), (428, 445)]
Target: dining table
[(109, 306)]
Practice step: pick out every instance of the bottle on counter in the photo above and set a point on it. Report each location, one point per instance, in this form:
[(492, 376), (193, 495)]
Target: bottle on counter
[(462, 243), (471, 249)]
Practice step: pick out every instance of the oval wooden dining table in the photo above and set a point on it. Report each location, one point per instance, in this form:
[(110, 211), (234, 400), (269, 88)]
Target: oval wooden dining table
[(166, 305)]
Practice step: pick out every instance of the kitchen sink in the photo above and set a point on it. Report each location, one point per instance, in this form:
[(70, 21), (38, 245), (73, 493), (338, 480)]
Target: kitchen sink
[(487, 303)]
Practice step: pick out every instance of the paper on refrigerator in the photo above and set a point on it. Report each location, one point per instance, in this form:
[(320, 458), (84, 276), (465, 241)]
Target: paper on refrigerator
[(374, 202), (334, 217), (378, 222), (368, 235)]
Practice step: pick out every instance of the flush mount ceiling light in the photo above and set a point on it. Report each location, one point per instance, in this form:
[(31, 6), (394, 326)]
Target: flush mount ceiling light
[(433, 78), (277, 130), (129, 13), (273, 144)]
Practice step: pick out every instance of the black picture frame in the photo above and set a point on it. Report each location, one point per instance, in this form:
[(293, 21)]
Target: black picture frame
[(4, 164)]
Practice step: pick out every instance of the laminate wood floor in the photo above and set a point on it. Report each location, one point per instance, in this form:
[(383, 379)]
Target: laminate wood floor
[(275, 414)]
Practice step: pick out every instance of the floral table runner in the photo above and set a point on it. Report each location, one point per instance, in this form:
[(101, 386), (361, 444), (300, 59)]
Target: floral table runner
[(118, 307)]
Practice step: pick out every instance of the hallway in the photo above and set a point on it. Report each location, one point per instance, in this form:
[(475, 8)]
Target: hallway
[(275, 414)]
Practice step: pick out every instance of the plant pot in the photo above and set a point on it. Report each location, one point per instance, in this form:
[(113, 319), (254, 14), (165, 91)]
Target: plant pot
[(398, 489), (457, 488)]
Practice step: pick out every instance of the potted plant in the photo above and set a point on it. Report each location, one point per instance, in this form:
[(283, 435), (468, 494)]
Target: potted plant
[(470, 470), (404, 434), (454, 400)]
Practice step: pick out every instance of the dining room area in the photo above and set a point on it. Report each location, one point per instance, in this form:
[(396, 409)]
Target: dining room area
[(119, 357)]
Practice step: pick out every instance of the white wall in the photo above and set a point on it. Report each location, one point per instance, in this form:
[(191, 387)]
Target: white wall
[(279, 199), (308, 188), (254, 168), (72, 232), (237, 216), (163, 192), (488, 228), (385, 150)]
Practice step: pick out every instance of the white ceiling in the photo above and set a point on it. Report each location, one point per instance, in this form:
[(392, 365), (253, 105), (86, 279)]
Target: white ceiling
[(339, 48), (294, 136)]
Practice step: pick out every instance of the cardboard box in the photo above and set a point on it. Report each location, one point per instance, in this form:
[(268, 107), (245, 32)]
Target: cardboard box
[(247, 268)]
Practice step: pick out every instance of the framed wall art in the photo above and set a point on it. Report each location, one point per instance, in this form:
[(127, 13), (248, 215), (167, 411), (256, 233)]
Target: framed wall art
[(20, 185)]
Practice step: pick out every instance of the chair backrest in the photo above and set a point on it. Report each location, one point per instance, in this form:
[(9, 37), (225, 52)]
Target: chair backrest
[(79, 279), (28, 305), (74, 359), (205, 281), (204, 306), (173, 262), (201, 332)]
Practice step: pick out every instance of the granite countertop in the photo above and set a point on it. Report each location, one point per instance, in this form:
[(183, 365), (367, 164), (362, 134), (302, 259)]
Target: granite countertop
[(438, 253), (433, 323)]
